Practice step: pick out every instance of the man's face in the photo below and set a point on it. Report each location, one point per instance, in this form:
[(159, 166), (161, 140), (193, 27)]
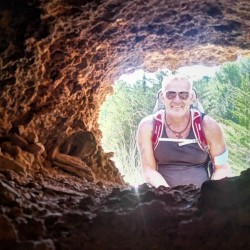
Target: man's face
[(177, 97)]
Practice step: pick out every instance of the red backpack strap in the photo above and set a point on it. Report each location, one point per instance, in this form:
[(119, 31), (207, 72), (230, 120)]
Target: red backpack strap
[(157, 127), (198, 129)]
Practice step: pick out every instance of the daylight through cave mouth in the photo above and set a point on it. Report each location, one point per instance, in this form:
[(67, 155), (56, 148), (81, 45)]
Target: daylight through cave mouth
[(136, 94), (59, 188)]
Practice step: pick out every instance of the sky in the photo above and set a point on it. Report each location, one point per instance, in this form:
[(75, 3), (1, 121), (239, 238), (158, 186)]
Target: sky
[(195, 72)]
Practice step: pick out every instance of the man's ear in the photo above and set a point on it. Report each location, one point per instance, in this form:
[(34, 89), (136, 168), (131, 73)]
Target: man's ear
[(193, 96), (160, 98)]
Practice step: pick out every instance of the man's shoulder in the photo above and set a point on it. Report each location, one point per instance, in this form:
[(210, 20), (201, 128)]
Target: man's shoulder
[(147, 122), (147, 119), (210, 125), (209, 121)]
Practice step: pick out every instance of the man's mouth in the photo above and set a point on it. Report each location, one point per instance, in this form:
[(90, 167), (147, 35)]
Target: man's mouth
[(176, 107)]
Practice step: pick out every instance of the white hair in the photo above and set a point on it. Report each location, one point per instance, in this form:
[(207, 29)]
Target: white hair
[(167, 79)]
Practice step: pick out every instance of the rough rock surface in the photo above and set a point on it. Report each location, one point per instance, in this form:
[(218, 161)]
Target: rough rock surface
[(59, 212), (58, 188)]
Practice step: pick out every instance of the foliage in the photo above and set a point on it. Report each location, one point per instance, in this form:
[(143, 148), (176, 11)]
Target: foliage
[(127, 159), (225, 97), (119, 119), (237, 138)]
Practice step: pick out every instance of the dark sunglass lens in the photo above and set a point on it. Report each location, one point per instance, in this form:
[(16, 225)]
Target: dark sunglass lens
[(170, 95), (184, 95)]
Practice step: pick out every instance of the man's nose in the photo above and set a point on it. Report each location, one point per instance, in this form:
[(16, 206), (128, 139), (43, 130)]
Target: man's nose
[(177, 98)]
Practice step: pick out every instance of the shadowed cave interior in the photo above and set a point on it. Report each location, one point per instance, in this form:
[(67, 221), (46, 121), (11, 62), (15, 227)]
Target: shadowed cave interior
[(58, 188)]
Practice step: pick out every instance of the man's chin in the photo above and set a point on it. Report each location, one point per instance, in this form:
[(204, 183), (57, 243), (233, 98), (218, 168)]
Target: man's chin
[(177, 112)]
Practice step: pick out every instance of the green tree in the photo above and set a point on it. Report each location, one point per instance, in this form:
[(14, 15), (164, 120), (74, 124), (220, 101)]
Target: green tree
[(225, 97), (120, 117)]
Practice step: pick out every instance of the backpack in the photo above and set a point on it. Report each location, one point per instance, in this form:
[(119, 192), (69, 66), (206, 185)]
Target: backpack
[(196, 118)]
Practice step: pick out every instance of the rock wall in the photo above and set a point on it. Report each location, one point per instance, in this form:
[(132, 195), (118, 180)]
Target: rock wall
[(58, 61)]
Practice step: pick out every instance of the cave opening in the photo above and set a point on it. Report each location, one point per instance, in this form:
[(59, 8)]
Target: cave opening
[(119, 123), (58, 62)]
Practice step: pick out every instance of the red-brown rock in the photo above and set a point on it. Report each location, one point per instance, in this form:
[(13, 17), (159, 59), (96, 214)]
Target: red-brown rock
[(58, 61)]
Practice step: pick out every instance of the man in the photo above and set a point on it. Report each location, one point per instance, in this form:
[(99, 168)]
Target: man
[(169, 164)]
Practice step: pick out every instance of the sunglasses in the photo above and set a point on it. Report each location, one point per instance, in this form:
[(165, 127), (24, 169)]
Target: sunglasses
[(170, 95)]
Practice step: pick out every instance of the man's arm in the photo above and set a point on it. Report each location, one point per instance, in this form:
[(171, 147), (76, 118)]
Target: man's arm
[(217, 148), (144, 140)]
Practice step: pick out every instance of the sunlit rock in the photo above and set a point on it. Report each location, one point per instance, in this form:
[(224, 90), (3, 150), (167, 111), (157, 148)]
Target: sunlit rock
[(58, 61)]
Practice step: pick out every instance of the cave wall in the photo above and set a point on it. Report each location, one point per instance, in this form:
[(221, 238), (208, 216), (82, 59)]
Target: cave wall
[(58, 61)]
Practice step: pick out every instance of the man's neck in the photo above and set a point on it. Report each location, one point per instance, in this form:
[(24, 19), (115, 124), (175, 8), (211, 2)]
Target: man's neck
[(178, 120)]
